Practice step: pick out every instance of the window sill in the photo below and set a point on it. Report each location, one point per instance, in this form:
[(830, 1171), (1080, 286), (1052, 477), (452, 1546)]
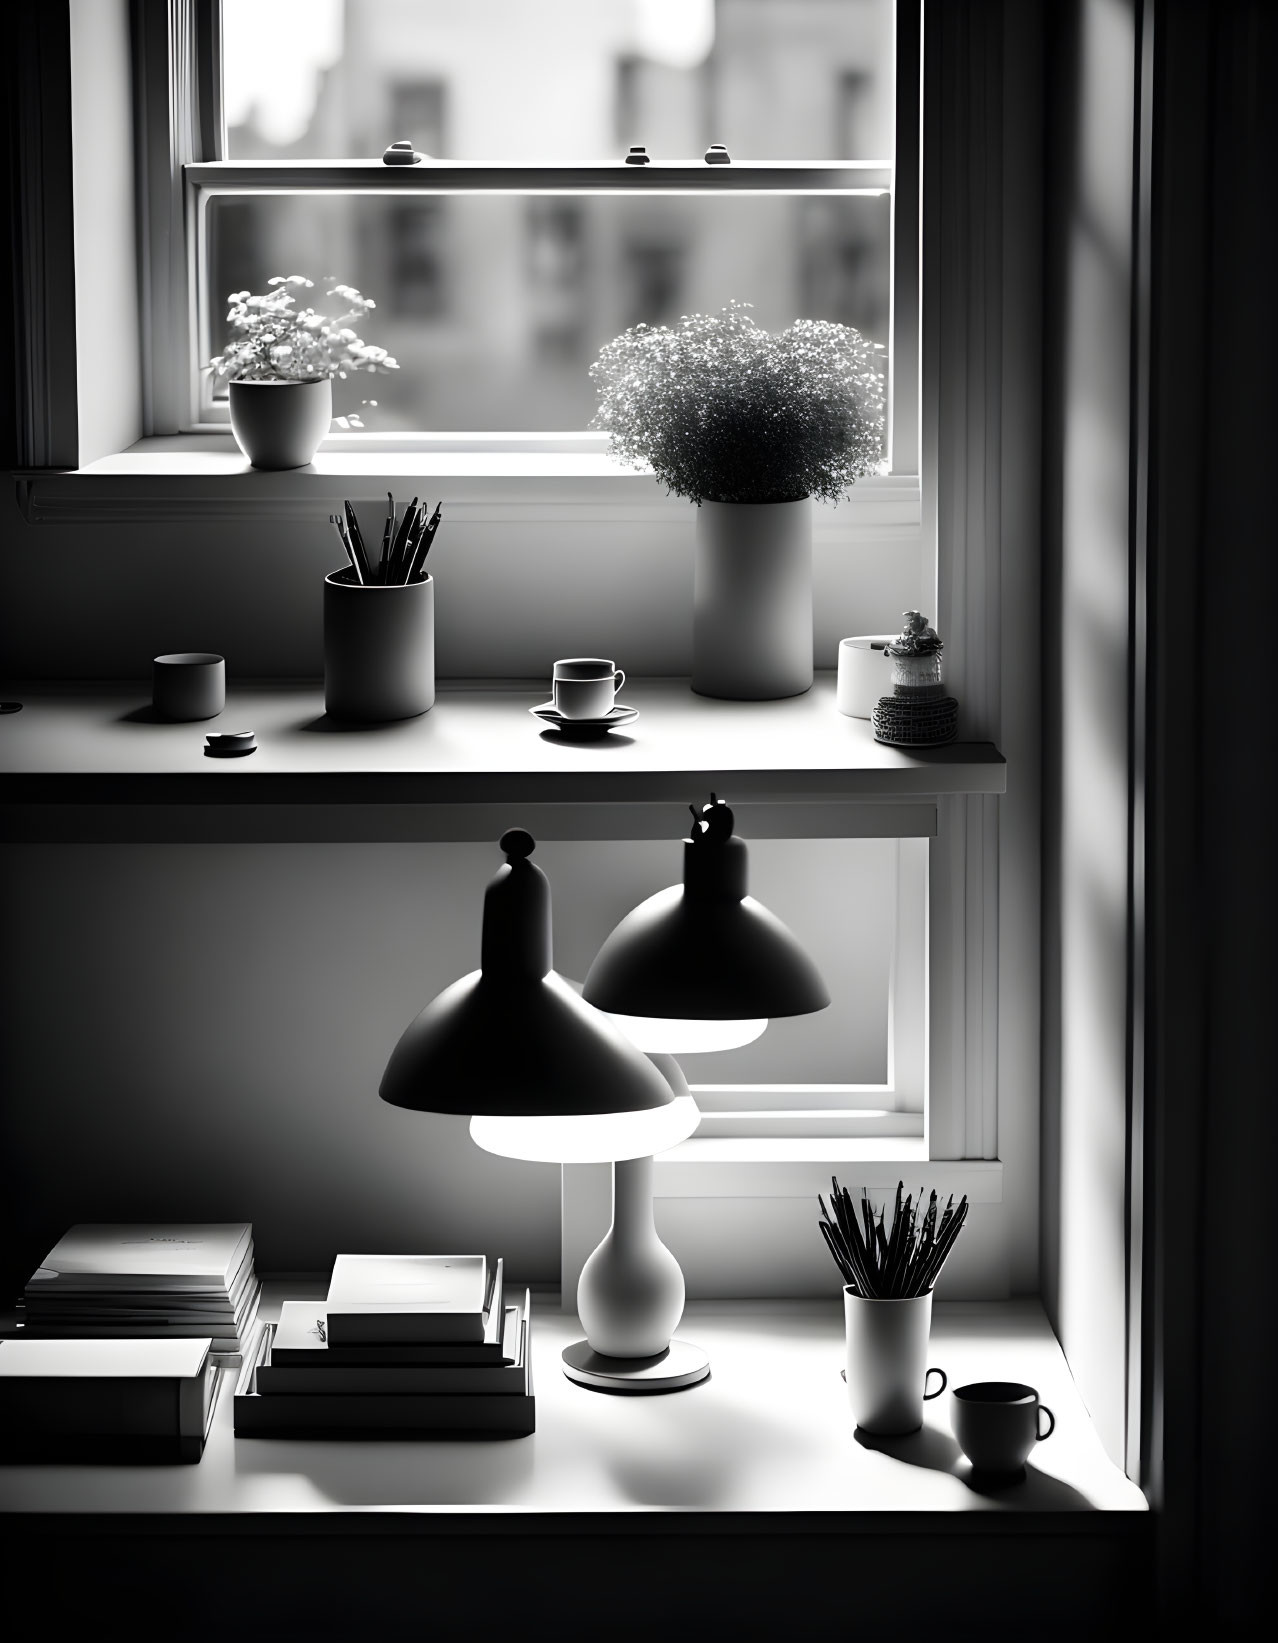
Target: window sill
[(206, 473), (800, 1167)]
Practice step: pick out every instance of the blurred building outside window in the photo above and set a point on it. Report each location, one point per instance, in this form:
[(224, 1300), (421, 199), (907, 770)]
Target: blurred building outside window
[(495, 306)]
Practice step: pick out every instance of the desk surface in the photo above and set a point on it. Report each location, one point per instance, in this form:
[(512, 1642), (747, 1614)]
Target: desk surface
[(769, 1432)]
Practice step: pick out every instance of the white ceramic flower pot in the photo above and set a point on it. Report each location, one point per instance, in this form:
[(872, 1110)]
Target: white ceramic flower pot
[(752, 600), (280, 424)]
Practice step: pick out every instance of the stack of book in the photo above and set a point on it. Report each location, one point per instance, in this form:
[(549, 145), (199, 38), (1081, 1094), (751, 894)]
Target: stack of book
[(106, 1400), (154, 1281), (404, 1345)]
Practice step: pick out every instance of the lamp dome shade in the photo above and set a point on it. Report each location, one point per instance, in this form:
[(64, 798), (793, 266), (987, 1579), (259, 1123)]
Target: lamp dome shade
[(705, 950), (513, 1037), (594, 1138)]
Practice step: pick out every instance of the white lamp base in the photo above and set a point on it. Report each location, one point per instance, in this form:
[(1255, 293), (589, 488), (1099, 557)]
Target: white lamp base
[(680, 1365)]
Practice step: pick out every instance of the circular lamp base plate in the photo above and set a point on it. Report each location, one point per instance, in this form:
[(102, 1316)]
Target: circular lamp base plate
[(678, 1366)]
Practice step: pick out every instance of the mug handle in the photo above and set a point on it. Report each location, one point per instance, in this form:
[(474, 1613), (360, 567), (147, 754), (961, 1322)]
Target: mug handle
[(944, 1383), (1051, 1422), (618, 679)]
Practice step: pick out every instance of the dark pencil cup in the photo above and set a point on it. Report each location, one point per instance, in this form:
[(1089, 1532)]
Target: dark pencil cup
[(379, 648)]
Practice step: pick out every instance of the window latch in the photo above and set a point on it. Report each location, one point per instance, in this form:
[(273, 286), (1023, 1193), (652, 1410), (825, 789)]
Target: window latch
[(717, 154), (638, 156), (401, 153)]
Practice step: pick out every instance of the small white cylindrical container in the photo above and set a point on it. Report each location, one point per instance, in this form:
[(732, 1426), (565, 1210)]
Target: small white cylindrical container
[(864, 674), (886, 1361)]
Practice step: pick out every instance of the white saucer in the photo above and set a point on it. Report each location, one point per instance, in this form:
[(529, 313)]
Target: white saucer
[(549, 714)]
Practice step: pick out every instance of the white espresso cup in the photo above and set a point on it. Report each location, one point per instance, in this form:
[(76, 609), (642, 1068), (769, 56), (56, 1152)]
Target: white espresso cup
[(585, 687)]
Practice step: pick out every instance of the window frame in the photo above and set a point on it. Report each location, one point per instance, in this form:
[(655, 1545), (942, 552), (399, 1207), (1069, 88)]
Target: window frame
[(188, 149)]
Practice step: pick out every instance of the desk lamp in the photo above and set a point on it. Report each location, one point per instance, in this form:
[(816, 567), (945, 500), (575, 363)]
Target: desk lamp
[(702, 965), (699, 966), (547, 1077)]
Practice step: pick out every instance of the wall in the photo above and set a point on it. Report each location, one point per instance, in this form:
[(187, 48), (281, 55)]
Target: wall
[(198, 1032), (517, 585), (106, 324), (1086, 742), (1211, 1130)]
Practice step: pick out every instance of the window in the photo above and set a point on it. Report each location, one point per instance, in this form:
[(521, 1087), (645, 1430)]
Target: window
[(521, 244)]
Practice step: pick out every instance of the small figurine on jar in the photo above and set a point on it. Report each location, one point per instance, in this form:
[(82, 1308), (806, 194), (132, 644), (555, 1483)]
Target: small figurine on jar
[(918, 713)]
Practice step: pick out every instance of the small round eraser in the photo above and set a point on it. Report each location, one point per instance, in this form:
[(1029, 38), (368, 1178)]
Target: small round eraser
[(230, 743)]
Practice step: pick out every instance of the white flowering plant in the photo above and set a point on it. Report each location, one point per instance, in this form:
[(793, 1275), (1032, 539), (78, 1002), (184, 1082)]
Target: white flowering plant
[(273, 340), (721, 410)]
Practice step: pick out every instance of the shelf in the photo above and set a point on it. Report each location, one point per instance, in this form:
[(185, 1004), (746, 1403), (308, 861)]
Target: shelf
[(479, 746), (524, 478)]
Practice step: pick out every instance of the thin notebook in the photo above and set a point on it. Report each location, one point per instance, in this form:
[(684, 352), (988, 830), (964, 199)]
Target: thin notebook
[(191, 1258)]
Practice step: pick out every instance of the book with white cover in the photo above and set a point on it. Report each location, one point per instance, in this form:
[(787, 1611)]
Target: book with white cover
[(199, 1257), (52, 1300), (95, 1399), (489, 1380), (302, 1340), (410, 1298)]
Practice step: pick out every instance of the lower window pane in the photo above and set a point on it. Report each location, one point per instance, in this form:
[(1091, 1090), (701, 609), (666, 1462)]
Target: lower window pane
[(496, 305)]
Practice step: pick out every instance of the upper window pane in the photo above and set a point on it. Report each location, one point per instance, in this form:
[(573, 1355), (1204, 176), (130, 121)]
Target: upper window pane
[(559, 82), (495, 305)]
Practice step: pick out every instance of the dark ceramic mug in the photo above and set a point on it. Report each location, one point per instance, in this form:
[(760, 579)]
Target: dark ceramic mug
[(997, 1424), (188, 684)]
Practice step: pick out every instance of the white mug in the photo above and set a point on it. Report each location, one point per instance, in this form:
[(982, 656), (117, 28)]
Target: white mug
[(864, 674), (585, 687)]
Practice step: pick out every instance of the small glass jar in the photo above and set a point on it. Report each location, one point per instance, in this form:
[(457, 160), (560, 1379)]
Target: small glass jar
[(917, 676)]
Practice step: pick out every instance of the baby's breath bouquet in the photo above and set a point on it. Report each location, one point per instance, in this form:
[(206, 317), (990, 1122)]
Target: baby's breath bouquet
[(275, 341), (724, 411)]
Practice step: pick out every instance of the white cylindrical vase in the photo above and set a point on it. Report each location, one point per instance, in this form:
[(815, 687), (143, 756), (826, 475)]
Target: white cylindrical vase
[(752, 600), (886, 1364), (379, 648)]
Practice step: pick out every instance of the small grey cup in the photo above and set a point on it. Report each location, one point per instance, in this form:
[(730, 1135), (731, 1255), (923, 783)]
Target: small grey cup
[(188, 684)]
